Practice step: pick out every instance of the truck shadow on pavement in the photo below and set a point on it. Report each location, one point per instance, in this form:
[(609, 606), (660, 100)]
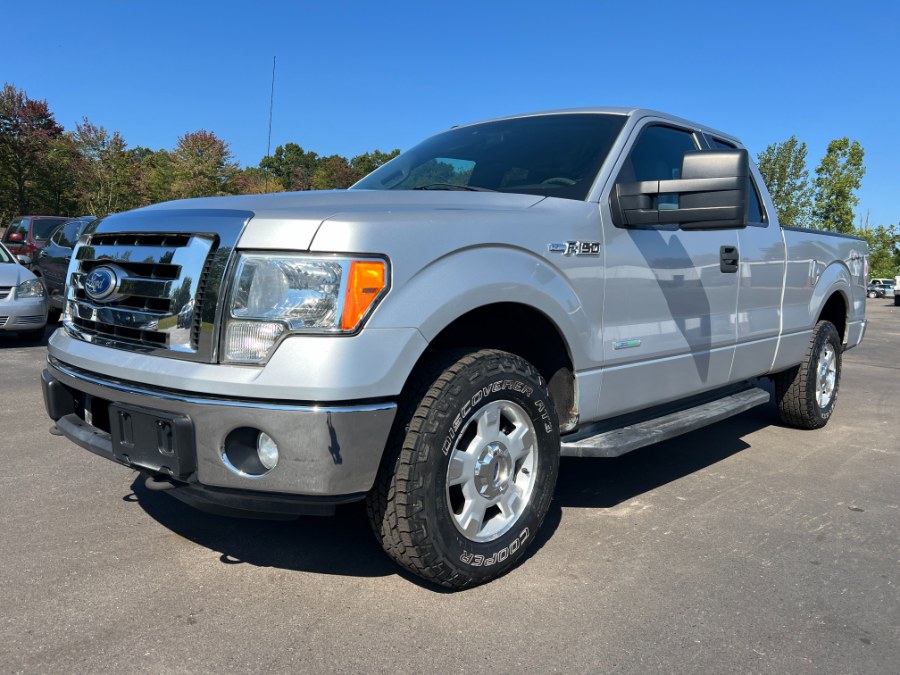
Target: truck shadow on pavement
[(606, 483), (344, 545)]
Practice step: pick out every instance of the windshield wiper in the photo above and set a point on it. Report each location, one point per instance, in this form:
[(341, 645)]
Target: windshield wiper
[(452, 186)]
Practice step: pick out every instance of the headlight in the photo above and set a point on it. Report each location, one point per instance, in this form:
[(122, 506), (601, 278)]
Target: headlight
[(33, 288), (277, 294)]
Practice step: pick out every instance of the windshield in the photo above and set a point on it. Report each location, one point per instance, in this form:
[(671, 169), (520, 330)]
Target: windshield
[(556, 155)]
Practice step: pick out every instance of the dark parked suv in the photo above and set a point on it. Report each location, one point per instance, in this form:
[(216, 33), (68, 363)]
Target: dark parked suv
[(52, 262), (26, 235)]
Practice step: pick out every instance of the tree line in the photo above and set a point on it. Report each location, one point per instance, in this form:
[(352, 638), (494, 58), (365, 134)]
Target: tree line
[(828, 200), (89, 170)]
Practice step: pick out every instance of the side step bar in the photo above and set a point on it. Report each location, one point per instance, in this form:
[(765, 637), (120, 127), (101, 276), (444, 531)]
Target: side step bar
[(616, 442)]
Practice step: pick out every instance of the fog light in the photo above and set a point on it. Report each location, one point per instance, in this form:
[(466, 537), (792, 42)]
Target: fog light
[(249, 452), (267, 450)]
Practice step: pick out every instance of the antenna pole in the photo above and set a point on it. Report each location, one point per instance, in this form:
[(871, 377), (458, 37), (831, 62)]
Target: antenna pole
[(271, 104)]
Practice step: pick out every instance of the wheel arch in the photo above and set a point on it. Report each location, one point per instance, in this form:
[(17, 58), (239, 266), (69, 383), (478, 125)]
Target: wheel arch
[(836, 310), (526, 332)]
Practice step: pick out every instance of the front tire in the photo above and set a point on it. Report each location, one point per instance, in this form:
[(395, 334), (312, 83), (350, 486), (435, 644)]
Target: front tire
[(806, 394), (470, 470)]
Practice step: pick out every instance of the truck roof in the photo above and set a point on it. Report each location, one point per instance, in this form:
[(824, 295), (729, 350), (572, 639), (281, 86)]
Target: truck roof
[(636, 113)]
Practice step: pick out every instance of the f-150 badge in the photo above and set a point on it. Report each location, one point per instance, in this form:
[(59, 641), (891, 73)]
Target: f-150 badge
[(575, 247)]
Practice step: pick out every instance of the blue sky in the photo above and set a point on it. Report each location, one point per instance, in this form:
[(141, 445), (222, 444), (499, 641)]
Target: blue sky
[(355, 76)]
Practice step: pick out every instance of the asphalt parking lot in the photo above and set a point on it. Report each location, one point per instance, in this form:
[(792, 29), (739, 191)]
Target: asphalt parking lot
[(743, 547)]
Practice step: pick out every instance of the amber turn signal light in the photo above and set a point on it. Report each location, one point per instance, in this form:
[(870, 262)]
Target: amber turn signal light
[(364, 285)]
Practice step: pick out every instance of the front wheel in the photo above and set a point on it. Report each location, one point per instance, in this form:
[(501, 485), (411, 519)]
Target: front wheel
[(471, 469), (806, 394)]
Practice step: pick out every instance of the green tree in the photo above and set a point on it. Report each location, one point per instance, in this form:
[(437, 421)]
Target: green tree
[(838, 177), (783, 166), (59, 182), (156, 175), (203, 166), (334, 173), (368, 162), (884, 250), (291, 167), (252, 181), (109, 179), (26, 129)]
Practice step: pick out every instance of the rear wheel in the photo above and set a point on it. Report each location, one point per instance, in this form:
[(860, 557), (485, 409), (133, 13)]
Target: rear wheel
[(471, 469), (806, 394)]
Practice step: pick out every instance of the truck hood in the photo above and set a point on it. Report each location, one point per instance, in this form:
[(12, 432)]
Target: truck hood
[(290, 220)]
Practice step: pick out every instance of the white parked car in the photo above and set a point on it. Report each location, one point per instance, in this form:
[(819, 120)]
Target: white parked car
[(23, 300)]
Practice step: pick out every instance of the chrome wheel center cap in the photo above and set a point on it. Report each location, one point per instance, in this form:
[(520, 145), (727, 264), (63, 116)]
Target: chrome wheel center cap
[(493, 470)]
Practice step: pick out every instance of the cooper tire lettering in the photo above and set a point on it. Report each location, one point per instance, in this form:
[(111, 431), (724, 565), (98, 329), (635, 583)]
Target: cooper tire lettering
[(466, 513)]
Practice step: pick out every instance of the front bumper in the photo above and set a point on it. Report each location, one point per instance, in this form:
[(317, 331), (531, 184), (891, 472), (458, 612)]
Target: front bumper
[(328, 454), (23, 314)]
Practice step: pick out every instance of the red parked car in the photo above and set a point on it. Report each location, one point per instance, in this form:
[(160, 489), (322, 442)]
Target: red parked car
[(26, 235)]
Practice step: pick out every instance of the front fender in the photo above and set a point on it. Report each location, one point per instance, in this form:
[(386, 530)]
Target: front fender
[(470, 278)]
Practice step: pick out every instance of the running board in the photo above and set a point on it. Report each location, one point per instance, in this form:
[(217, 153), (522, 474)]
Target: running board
[(616, 442)]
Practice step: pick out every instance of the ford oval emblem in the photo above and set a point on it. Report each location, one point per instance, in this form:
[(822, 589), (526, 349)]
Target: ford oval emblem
[(101, 283)]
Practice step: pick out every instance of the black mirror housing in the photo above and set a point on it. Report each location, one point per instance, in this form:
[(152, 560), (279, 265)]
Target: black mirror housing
[(712, 194)]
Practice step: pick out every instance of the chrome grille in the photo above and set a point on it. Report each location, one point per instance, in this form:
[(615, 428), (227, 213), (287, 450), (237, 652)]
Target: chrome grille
[(158, 279), (170, 267), (5, 291), (3, 320)]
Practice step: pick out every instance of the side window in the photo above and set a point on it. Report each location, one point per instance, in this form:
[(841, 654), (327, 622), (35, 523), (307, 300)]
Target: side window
[(18, 226), (65, 235), (657, 154), (756, 216)]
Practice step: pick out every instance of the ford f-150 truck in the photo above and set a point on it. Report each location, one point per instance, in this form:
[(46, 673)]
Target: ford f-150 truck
[(432, 340)]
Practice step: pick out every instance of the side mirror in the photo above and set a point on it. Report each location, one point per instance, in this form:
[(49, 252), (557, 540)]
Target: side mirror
[(712, 194), (24, 259), (15, 236)]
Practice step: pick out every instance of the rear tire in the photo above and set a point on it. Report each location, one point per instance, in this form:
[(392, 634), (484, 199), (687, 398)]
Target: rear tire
[(470, 468), (897, 301), (806, 394)]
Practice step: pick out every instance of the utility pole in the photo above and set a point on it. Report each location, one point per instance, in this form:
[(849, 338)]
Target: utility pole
[(271, 104)]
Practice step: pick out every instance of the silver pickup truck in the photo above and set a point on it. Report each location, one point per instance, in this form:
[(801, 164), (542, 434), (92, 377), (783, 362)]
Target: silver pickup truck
[(575, 283)]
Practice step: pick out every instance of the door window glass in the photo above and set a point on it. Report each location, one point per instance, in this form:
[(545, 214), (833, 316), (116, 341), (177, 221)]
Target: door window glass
[(658, 155)]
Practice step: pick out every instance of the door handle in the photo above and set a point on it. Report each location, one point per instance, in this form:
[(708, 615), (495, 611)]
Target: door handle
[(729, 259)]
